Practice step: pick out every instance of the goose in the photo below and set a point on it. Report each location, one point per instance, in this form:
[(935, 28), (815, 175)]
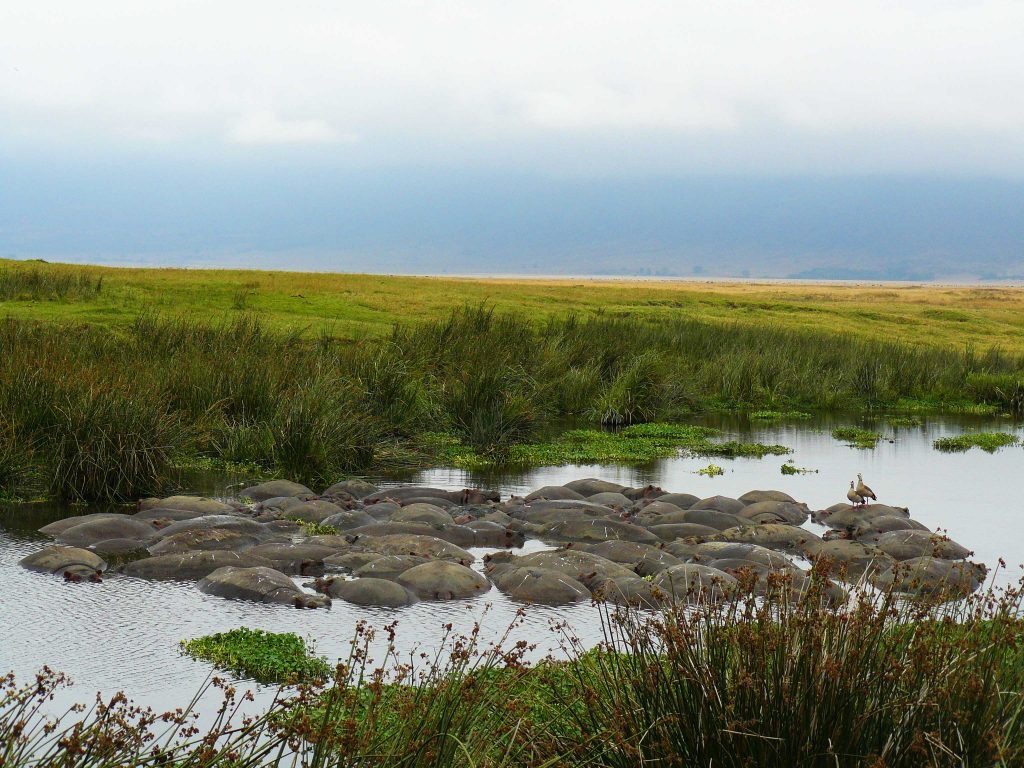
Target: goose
[(863, 490), (854, 497)]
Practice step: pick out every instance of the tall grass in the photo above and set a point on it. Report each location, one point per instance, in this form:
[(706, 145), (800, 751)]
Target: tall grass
[(782, 681), (319, 407), (40, 285)]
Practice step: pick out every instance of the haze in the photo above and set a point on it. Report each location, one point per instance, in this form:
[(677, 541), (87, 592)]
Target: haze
[(803, 138)]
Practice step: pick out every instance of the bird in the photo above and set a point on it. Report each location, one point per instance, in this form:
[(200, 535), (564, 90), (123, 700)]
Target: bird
[(854, 497), (863, 490)]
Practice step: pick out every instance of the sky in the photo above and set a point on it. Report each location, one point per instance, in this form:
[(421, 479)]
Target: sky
[(149, 119)]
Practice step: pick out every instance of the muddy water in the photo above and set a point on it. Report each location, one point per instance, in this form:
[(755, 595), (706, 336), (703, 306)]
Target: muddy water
[(123, 634)]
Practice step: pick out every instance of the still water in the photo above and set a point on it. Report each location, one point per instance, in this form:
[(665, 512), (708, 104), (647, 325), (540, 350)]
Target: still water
[(123, 634)]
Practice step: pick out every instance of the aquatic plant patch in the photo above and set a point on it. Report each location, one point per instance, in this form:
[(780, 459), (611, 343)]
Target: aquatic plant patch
[(636, 444), (778, 415), (987, 441), (790, 468), (857, 437), (268, 657)]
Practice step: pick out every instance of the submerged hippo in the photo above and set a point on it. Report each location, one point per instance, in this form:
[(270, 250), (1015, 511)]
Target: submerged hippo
[(273, 488), (443, 580), (906, 545), (370, 592), (191, 566), (753, 497), (73, 563), (591, 486), (931, 577), (355, 488), (542, 586), (104, 528), (260, 585), (603, 529), (199, 505), (691, 582)]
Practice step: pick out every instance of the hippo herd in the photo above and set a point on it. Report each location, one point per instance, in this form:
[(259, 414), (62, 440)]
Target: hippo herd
[(392, 547)]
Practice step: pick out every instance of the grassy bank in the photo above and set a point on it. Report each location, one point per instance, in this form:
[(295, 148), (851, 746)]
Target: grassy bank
[(774, 683), (89, 411), (360, 306)]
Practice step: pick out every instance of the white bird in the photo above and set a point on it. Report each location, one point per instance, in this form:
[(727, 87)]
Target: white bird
[(853, 496), (863, 490)]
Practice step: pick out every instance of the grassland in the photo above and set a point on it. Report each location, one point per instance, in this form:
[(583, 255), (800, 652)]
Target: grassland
[(109, 378), (358, 306)]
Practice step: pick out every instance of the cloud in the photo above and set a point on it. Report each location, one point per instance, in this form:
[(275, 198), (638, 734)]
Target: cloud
[(266, 127)]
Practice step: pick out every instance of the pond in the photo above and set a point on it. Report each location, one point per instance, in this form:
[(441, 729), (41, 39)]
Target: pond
[(123, 634)]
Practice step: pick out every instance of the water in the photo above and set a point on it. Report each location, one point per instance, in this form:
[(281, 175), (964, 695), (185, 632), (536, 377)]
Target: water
[(123, 634)]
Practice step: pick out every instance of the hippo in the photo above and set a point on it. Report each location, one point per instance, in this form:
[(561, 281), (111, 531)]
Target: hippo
[(276, 488), (753, 497), (162, 517), (389, 566), (631, 591), (785, 538), (220, 522), (119, 550), (555, 493), (656, 509), (849, 560), (191, 566), (569, 561), (645, 559), (542, 586), (356, 488), (443, 580), (422, 513), (380, 593), (785, 512), (845, 516), (313, 511), (683, 531), (279, 504), (382, 510), (260, 585), (490, 534), (681, 500), (646, 492), (907, 545), (203, 538), (348, 519), (610, 500), (691, 582), (198, 504), (301, 559), (711, 518), (73, 563), (465, 496), (754, 553), (931, 577), (591, 486), (406, 544), (597, 530), (868, 532), (349, 561), (101, 529), (792, 583), (546, 516), (720, 503), (436, 501), (458, 535), (59, 526)]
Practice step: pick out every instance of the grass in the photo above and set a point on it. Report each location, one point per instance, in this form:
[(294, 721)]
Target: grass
[(267, 657), (856, 436), (777, 415), (778, 681), (904, 421), (987, 441), (790, 468), (711, 470), (360, 306)]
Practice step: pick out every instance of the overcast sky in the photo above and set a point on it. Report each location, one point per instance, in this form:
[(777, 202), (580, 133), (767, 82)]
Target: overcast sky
[(578, 87), (769, 138)]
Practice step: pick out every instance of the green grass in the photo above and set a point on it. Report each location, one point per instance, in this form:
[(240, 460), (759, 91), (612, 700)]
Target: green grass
[(987, 441), (857, 437), (711, 470), (789, 468), (904, 421), (267, 657)]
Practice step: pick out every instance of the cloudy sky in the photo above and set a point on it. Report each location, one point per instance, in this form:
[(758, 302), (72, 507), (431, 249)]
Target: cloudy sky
[(567, 91)]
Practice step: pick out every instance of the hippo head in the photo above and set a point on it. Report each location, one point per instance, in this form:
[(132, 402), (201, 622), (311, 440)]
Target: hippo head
[(477, 496), (514, 538)]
